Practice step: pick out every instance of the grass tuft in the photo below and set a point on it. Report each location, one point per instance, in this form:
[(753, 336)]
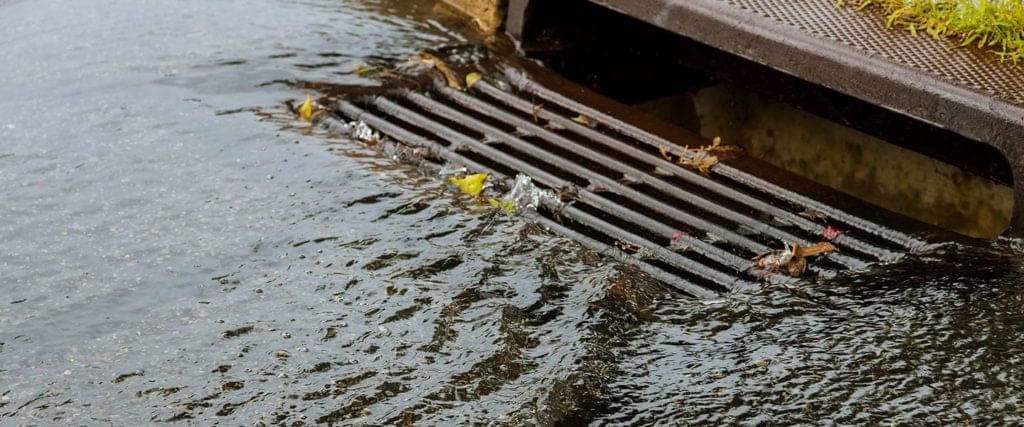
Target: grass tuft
[(993, 25)]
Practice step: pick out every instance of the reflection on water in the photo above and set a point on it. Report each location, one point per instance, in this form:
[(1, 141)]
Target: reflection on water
[(175, 247)]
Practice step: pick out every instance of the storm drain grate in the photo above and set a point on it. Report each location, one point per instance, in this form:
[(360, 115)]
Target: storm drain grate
[(697, 232)]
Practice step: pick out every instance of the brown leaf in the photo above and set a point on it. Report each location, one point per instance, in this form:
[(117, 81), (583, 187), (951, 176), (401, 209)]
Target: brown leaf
[(796, 266), (440, 66), (701, 158), (536, 110), (792, 259), (813, 214), (774, 260), (723, 151), (815, 249), (664, 152), (584, 120)]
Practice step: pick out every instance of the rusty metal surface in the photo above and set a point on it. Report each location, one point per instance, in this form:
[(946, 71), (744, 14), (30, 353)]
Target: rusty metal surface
[(697, 232), (963, 90), (968, 68)]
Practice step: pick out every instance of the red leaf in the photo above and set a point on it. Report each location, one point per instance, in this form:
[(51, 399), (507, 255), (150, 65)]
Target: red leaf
[(831, 233), (675, 237)]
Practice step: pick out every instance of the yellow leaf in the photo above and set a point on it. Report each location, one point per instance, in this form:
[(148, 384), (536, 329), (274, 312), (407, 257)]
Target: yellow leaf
[(471, 184), (508, 205), (365, 70), (306, 109), (472, 78)]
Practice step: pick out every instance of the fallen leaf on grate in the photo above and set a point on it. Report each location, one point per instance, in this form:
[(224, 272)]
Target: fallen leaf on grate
[(470, 184), (792, 259), (439, 65), (702, 158)]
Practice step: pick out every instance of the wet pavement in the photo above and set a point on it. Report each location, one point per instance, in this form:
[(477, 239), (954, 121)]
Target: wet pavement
[(175, 246)]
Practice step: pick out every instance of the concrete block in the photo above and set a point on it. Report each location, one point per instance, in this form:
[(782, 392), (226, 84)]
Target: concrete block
[(487, 14)]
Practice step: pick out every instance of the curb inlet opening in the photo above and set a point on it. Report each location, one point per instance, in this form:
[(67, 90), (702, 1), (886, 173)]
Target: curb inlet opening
[(879, 156)]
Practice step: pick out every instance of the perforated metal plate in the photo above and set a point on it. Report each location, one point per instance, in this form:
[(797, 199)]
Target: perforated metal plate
[(967, 67)]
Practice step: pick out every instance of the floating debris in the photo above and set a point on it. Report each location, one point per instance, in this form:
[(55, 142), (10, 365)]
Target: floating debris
[(508, 206), (792, 259), (357, 129), (306, 109), (471, 79), (815, 249), (702, 158), (775, 261), (526, 195), (363, 132), (523, 195), (812, 214), (831, 233), (536, 110), (365, 70), (471, 184), (676, 237), (664, 152), (372, 71), (699, 159), (584, 120), (439, 65)]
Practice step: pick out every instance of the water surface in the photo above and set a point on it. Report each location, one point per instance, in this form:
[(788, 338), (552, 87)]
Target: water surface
[(175, 247)]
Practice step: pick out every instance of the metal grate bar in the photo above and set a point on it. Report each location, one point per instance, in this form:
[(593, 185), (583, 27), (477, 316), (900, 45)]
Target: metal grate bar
[(660, 165), (691, 243), (440, 151), (618, 255), (464, 142), (543, 153), (522, 82), (598, 181), (728, 281), (639, 175)]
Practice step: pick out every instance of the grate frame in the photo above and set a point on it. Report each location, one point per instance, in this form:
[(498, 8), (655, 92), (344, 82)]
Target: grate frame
[(494, 124)]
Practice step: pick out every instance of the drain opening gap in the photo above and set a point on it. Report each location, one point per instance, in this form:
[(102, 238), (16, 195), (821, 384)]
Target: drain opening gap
[(426, 133), (661, 240), (668, 267), (727, 203), (573, 157), (687, 207), (514, 132), (587, 136), (878, 217), (543, 164), (550, 164), (439, 119), (540, 130)]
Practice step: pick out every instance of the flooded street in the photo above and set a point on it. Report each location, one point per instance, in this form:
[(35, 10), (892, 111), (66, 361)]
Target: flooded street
[(175, 246)]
